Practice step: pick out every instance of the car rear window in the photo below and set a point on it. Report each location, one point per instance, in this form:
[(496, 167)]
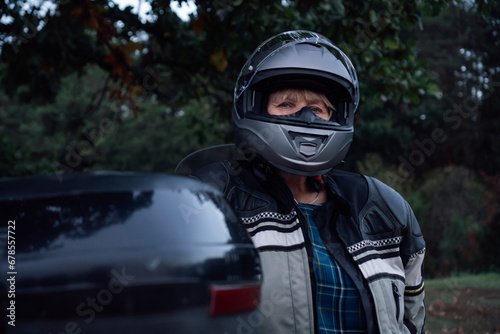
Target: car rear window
[(126, 219)]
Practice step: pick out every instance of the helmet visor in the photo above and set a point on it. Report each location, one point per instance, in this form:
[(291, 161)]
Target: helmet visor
[(333, 75)]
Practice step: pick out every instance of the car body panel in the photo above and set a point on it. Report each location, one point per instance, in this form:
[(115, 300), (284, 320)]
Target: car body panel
[(103, 248)]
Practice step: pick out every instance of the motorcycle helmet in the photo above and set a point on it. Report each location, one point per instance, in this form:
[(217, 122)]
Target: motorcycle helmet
[(301, 143)]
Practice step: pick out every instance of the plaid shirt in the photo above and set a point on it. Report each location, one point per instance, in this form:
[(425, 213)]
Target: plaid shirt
[(338, 301)]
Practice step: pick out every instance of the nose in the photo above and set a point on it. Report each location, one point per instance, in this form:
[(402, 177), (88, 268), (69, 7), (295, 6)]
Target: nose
[(300, 106)]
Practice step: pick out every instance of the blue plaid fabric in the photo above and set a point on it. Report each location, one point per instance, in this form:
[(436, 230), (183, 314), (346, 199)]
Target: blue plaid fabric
[(338, 301)]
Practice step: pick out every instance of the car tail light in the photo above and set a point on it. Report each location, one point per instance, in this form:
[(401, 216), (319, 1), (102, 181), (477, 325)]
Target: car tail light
[(225, 299)]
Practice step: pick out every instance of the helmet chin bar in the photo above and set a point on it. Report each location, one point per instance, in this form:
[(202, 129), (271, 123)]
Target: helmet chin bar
[(295, 149), (301, 172)]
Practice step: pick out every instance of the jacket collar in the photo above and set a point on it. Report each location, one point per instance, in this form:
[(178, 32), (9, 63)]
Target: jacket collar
[(341, 205), (266, 174)]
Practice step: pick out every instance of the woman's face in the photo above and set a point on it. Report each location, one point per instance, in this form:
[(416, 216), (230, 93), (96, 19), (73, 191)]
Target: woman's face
[(289, 101)]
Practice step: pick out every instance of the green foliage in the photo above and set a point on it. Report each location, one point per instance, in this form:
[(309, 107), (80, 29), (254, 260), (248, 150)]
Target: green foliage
[(487, 237), (183, 66), (15, 161), (462, 50), (44, 135), (203, 56), (449, 205), (83, 131), (158, 138), (374, 165)]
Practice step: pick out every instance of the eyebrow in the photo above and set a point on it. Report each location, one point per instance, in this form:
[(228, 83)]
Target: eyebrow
[(293, 98)]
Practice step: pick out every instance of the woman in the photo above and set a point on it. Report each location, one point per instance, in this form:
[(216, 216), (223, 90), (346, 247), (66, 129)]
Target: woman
[(340, 252)]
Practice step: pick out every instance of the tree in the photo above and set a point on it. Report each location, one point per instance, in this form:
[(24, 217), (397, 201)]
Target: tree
[(177, 61), (203, 55), (94, 133), (462, 50), (450, 207)]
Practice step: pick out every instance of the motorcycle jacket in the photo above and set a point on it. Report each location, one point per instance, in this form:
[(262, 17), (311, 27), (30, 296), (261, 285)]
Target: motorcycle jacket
[(366, 226)]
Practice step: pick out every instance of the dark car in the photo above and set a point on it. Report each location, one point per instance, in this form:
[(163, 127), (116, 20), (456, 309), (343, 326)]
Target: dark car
[(123, 253)]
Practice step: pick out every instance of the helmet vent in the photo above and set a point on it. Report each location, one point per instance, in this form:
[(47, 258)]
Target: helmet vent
[(308, 149), (307, 146)]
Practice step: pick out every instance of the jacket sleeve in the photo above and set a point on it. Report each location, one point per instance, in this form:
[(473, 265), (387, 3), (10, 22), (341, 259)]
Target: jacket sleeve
[(413, 252)]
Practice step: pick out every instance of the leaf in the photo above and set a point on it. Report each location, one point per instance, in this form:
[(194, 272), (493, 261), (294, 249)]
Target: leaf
[(433, 88), (413, 97), (198, 25), (110, 58), (134, 90), (391, 43), (132, 46), (219, 59), (115, 93)]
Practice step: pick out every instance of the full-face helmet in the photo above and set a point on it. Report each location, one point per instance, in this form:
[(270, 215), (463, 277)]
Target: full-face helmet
[(301, 143)]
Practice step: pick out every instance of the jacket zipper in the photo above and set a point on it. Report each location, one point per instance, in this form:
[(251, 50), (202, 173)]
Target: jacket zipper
[(397, 296), (308, 247), (312, 275)]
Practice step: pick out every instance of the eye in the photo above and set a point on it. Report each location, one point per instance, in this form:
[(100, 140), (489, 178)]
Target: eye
[(284, 105), (320, 111)]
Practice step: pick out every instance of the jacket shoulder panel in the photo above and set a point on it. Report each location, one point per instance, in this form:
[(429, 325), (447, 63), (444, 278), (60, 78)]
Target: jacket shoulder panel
[(388, 201), (375, 223), (351, 187), (216, 175), (244, 200), (400, 214)]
